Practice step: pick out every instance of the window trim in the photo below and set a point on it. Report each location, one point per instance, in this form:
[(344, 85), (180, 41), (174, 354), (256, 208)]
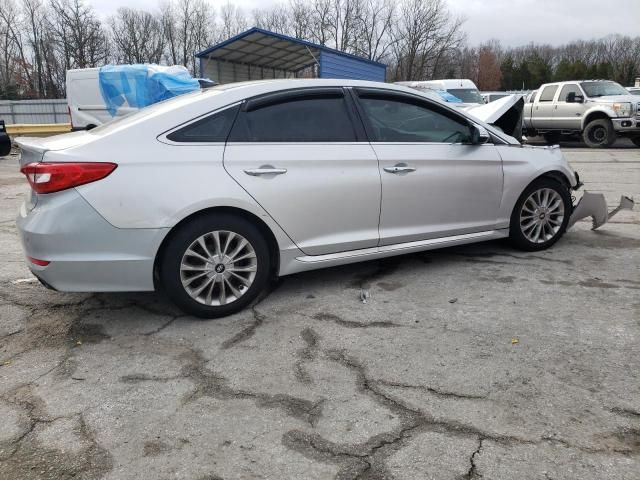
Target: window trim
[(416, 100), (163, 137), (283, 96)]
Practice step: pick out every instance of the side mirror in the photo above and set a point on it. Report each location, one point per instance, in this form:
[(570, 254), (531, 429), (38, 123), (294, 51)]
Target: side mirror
[(573, 98), (479, 135)]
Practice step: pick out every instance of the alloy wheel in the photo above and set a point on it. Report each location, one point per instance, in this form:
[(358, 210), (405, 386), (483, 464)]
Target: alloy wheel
[(542, 215), (218, 268)]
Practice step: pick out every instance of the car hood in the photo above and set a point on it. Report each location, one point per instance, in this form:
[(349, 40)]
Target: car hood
[(615, 99), (491, 112), (504, 113)]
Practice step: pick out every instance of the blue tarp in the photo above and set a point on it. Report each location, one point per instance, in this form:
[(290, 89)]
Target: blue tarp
[(138, 86), (447, 97)]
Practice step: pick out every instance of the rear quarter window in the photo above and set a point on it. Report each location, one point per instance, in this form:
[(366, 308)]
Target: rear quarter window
[(211, 129)]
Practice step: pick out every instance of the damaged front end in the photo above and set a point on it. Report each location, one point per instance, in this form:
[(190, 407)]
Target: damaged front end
[(594, 205)]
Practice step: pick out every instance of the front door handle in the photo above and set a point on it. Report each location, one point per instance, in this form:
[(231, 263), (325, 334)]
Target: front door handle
[(399, 168), (265, 170)]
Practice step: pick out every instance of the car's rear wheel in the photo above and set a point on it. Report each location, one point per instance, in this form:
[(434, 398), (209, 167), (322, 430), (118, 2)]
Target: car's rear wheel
[(636, 141), (215, 265), (599, 133), (541, 215)]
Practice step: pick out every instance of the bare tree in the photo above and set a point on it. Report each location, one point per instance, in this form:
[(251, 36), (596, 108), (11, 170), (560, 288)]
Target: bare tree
[(232, 21), (373, 29), (276, 19), (188, 26), (137, 35), (424, 33), (489, 74)]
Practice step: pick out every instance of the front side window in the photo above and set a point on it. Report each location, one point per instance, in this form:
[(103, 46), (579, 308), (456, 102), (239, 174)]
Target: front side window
[(300, 119), (548, 93), (212, 129), (567, 89), (397, 120)]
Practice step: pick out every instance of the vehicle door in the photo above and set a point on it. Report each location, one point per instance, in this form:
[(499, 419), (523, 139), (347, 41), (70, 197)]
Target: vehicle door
[(542, 113), (300, 154), (568, 115), (434, 182)]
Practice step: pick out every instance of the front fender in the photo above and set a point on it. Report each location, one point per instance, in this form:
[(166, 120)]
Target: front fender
[(600, 110)]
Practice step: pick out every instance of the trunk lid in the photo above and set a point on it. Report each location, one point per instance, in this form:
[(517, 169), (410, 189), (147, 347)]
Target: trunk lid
[(32, 150)]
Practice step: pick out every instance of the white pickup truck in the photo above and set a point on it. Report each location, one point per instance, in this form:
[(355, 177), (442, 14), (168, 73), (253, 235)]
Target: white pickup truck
[(600, 111)]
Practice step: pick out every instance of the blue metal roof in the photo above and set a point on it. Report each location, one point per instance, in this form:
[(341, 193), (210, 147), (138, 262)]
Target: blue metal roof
[(267, 49)]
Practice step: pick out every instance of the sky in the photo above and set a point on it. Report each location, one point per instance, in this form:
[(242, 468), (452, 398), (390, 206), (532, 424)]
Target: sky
[(513, 22)]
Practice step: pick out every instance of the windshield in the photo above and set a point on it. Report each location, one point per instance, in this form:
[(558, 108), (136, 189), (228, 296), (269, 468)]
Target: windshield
[(467, 95), (603, 89)]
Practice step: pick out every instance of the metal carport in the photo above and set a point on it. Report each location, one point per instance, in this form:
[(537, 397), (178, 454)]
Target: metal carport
[(260, 54)]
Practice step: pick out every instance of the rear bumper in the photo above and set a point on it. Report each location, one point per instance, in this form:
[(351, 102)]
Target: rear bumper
[(86, 253)]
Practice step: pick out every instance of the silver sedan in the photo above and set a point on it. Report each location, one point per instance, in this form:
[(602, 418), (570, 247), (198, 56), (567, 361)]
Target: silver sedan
[(211, 194)]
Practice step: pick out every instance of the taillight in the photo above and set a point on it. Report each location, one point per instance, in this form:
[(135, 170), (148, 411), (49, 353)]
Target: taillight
[(40, 263), (53, 177)]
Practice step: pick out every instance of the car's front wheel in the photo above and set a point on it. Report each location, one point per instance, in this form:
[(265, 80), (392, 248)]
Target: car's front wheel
[(541, 215), (215, 265)]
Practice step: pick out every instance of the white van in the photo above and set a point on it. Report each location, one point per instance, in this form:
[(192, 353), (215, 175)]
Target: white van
[(125, 89), (87, 108), (461, 88)]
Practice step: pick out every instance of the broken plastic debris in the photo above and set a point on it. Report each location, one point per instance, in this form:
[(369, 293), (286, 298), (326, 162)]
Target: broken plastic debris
[(453, 300), (514, 341), (7, 363), (364, 296), (595, 206)]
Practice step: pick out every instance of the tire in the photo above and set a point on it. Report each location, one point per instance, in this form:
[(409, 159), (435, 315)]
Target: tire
[(553, 227), (599, 133), (182, 275), (636, 141)]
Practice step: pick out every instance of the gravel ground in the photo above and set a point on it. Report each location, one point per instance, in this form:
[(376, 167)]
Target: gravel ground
[(470, 362)]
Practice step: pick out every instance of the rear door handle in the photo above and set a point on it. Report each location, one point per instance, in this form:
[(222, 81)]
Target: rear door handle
[(399, 168), (265, 170)]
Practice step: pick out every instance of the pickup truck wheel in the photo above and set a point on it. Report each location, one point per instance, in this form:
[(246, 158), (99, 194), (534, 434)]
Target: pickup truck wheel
[(541, 215), (599, 133)]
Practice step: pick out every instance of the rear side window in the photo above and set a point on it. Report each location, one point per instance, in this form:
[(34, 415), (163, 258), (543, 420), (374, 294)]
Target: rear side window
[(567, 89), (214, 128), (548, 93), (299, 119), (399, 120)]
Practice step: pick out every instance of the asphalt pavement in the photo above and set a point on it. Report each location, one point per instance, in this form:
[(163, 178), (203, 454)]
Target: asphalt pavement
[(470, 362)]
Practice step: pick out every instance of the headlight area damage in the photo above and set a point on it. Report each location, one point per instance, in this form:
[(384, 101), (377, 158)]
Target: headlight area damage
[(595, 206)]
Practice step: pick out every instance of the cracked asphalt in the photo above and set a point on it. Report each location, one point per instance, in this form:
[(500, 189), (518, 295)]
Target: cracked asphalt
[(470, 362)]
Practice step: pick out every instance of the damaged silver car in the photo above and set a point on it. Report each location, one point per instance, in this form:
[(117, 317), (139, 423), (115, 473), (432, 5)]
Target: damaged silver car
[(210, 194)]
